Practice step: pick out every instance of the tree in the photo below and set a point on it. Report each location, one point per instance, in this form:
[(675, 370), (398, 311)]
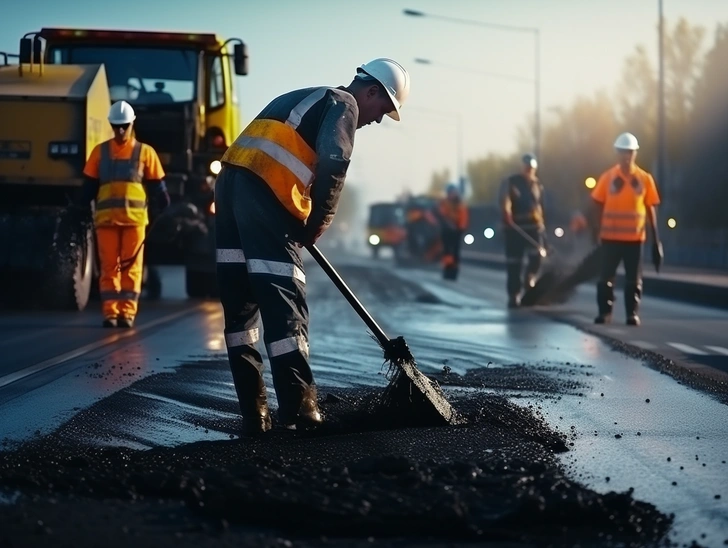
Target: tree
[(683, 64), (486, 175), (636, 98), (705, 190), (439, 181)]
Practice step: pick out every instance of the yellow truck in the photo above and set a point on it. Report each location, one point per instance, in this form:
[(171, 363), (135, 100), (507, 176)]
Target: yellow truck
[(53, 107)]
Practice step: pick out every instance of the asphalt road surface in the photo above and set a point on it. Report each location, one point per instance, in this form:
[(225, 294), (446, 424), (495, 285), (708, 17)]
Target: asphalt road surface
[(642, 410)]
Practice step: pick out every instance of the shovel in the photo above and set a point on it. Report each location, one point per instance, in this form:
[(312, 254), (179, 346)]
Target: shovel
[(406, 382)]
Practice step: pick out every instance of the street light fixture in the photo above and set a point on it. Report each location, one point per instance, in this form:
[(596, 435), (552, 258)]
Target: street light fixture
[(537, 62), (430, 62)]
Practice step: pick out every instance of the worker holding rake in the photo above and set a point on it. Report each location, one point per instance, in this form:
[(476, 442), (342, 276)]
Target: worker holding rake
[(278, 190)]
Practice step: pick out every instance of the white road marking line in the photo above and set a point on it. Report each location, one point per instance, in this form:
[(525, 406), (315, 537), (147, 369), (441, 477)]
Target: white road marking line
[(718, 350), (41, 366), (644, 344), (614, 330), (687, 349)]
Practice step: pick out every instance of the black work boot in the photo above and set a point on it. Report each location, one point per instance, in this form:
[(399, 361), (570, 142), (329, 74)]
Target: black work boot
[(309, 415), (253, 399), (632, 297), (109, 322), (605, 302), (125, 321)]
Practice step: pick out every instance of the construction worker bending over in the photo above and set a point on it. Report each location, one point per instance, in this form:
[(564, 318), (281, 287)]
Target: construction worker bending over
[(521, 202), (278, 190), (625, 197), (453, 215), (119, 174)]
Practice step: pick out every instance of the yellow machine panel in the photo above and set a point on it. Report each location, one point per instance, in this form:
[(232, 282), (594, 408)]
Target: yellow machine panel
[(51, 122)]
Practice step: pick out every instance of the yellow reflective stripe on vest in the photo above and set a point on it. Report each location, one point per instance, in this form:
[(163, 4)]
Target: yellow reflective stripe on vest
[(277, 153), (121, 199), (621, 225)]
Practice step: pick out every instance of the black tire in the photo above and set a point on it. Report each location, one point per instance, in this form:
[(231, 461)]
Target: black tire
[(71, 281)]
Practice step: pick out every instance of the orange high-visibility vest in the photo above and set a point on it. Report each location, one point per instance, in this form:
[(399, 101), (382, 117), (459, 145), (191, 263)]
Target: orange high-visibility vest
[(626, 199), (121, 199), (279, 155), (457, 213)]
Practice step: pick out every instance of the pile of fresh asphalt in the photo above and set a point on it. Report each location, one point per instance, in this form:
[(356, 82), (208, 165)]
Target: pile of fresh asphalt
[(356, 480)]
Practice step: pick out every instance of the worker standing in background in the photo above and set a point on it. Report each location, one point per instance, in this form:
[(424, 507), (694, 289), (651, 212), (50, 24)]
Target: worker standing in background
[(453, 215), (119, 174), (521, 204), (625, 198), (279, 189)]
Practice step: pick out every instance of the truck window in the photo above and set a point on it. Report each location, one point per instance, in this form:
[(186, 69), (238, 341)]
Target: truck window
[(383, 215), (216, 84), (139, 75)]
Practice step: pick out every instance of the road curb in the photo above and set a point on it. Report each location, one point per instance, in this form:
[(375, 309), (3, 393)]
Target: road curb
[(677, 290)]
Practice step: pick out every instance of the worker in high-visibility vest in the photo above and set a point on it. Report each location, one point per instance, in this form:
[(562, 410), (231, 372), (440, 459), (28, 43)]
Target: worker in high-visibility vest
[(521, 204), (278, 190), (625, 198), (453, 215), (119, 174)]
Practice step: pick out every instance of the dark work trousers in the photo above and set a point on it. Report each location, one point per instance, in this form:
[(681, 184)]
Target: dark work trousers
[(516, 247), (261, 276), (451, 240), (613, 253)]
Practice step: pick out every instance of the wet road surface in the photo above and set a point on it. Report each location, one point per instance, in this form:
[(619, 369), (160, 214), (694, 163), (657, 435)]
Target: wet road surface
[(167, 386)]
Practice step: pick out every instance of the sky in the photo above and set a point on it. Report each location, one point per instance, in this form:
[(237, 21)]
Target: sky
[(300, 43)]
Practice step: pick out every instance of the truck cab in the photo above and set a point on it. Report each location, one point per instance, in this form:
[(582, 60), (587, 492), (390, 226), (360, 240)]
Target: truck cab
[(183, 89)]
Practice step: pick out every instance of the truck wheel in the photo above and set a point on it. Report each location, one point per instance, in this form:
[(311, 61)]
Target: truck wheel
[(69, 287)]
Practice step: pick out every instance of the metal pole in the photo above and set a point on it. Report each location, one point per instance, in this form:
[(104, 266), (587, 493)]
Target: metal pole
[(661, 127), (461, 161), (537, 83)]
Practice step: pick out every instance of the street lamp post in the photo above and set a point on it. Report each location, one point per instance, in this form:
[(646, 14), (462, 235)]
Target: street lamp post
[(537, 61)]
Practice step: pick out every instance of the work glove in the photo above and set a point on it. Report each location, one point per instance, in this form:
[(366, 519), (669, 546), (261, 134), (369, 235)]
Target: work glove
[(311, 234), (657, 255)]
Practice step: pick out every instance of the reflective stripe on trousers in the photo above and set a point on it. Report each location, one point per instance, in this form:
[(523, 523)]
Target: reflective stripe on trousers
[(120, 288), (261, 278)]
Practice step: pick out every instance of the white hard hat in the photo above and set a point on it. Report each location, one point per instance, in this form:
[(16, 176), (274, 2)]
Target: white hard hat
[(626, 141), (394, 79), (121, 113)]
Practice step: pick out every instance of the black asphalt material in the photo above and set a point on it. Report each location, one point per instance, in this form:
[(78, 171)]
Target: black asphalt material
[(495, 478)]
